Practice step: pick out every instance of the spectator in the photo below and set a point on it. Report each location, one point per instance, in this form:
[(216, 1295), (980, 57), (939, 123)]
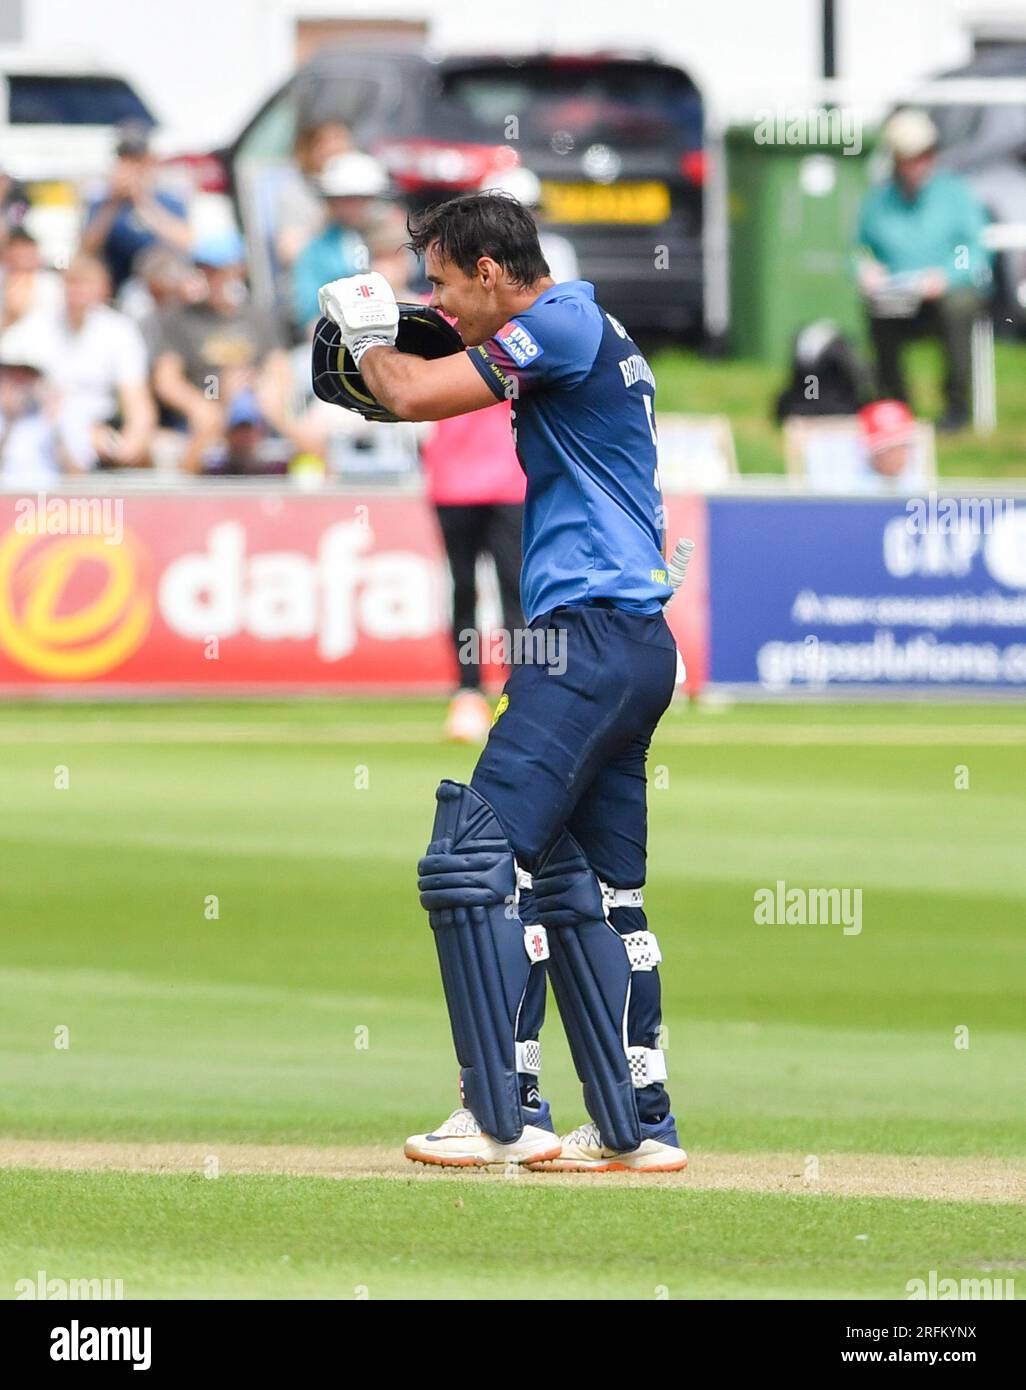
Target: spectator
[(923, 267), (883, 450), (343, 442), (474, 481), (889, 436), (221, 366), (97, 358), (827, 376), (526, 187), (33, 451), (390, 255), (133, 214), (14, 204), (25, 285), (162, 280), (299, 211), (350, 185), (476, 486)]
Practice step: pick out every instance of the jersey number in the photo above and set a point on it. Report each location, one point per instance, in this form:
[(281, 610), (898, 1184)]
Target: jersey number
[(651, 418)]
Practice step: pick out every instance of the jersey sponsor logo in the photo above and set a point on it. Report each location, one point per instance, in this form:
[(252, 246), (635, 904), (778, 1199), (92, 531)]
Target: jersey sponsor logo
[(500, 709), (515, 338), (509, 384)]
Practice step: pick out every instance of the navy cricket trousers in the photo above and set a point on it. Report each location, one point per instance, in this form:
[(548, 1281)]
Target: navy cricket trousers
[(567, 752)]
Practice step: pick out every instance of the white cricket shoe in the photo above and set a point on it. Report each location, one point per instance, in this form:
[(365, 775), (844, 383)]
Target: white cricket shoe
[(583, 1152), (461, 1143)]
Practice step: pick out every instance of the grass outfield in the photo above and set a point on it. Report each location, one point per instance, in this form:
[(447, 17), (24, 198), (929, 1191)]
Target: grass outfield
[(308, 1012), (265, 1237), (746, 391)]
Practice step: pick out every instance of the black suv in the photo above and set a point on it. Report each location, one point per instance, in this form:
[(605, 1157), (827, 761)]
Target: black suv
[(616, 141)]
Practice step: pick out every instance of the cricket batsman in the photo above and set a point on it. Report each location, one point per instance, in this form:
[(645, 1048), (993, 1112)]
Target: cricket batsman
[(539, 862)]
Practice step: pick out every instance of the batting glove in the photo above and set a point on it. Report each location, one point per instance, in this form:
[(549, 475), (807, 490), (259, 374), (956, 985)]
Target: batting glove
[(364, 308)]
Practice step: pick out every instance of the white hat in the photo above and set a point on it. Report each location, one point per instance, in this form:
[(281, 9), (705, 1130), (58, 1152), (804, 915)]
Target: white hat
[(910, 133), (524, 185), (353, 175), (27, 344)]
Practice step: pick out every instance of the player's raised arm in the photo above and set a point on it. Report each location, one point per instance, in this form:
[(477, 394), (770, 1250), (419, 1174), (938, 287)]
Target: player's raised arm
[(480, 291), (409, 386), (415, 389)]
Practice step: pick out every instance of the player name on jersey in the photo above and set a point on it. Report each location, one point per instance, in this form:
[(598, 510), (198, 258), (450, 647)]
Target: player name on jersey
[(635, 368)]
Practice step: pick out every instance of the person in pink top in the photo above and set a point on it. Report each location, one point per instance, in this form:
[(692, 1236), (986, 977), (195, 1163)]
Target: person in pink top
[(476, 485), (474, 481)]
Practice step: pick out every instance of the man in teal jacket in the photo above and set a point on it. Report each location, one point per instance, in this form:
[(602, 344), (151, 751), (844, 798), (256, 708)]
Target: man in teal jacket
[(922, 266), (350, 185)]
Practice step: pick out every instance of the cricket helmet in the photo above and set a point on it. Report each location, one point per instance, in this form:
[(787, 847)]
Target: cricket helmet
[(422, 331)]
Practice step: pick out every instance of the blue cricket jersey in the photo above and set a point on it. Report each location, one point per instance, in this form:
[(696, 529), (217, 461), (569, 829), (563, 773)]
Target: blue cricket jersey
[(584, 425)]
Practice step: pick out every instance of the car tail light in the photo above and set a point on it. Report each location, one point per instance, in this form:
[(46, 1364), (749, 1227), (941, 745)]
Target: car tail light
[(418, 164), (693, 166), (206, 172)]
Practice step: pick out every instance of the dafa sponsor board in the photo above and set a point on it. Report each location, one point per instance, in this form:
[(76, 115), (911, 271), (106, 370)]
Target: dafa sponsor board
[(169, 591), (253, 592)]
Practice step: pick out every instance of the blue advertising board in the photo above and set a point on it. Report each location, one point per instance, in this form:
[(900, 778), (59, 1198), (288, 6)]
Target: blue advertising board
[(809, 594)]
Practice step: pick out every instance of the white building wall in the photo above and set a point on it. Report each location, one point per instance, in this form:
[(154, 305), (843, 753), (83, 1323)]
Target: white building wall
[(206, 64)]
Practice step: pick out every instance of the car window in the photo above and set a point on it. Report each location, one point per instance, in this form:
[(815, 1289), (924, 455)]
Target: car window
[(73, 100), (348, 97), (624, 104), (272, 134), (312, 98)]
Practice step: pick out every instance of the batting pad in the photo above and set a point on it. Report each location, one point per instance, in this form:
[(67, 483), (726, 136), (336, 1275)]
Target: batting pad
[(467, 884), (590, 972)]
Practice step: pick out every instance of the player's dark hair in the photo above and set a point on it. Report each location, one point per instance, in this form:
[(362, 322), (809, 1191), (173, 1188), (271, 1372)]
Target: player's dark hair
[(491, 224)]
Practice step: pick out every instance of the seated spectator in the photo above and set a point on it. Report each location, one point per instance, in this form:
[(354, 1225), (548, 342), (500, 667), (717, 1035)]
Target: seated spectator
[(350, 186), (390, 256), (25, 284), (221, 366), (923, 267), (299, 210), (14, 204), (33, 449), (889, 435), (134, 213), (97, 358), (343, 443), (883, 449), (162, 280), (827, 376)]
